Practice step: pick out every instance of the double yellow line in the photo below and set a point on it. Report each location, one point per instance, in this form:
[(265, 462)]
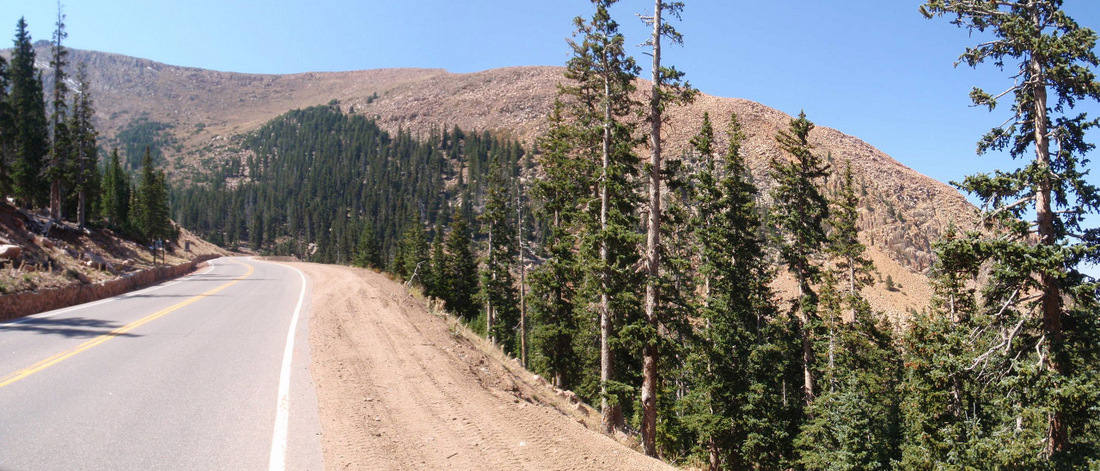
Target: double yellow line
[(60, 357)]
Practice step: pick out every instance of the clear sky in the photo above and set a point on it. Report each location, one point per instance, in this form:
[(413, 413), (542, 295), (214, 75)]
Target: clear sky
[(875, 69)]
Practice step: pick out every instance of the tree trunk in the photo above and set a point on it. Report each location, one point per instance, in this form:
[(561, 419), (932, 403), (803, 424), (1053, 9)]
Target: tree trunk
[(852, 288), (653, 255), (80, 209), (715, 461), (807, 342), (55, 197), (489, 314), (522, 284), (1044, 217)]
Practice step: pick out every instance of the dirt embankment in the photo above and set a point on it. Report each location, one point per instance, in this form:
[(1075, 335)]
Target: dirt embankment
[(399, 388), (54, 256)]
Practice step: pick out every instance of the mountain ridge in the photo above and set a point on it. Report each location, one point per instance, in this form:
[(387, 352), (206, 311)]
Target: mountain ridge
[(204, 113)]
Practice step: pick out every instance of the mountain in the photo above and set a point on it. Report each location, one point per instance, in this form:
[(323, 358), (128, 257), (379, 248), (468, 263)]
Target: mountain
[(196, 118)]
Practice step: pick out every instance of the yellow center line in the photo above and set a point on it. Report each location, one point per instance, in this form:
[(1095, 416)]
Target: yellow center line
[(41, 365)]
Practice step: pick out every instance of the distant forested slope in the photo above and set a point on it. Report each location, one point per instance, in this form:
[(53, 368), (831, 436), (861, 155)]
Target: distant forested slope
[(310, 181)]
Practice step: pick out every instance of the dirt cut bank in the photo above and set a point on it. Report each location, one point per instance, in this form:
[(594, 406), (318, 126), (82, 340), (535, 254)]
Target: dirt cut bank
[(398, 389)]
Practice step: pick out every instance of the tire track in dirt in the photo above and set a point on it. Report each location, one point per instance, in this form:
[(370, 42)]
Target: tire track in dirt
[(397, 389)]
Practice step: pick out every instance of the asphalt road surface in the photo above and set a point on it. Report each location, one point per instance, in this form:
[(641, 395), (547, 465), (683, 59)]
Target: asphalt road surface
[(210, 371)]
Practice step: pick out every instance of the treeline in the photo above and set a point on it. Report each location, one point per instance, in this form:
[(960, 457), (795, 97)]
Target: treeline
[(49, 156)]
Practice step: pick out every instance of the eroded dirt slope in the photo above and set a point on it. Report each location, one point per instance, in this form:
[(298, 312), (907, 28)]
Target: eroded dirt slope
[(398, 389)]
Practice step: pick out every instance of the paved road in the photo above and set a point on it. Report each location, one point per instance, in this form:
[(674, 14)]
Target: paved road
[(182, 375)]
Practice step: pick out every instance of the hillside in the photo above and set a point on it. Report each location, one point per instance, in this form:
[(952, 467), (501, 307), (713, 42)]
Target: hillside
[(196, 116), (65, 255)]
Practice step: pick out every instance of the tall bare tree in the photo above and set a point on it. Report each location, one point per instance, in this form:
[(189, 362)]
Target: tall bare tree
[(667, 87)]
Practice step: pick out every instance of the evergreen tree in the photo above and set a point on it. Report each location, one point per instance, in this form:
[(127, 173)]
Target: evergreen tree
[(844, 244), (61, 141), (151, 203), (601, 79), (115, 197), (366, 250), (799, 214), (31, 130), (1036, 383), (413, 259), (939, 414), (434, 284), (256, 232), (667, 88), (85, 148), (743, 356), (7, 127), (459, 270), (854, 422), (498, 290), (553, 284)]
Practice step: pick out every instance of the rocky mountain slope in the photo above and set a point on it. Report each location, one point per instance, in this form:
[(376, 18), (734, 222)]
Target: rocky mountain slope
[(197, 114)]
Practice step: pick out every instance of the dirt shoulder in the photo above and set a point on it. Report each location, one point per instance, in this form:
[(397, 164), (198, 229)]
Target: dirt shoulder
[(399, 388)]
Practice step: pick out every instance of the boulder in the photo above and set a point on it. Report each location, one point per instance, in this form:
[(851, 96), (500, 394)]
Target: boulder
[(97, 262), (10, 252), (45, 243)]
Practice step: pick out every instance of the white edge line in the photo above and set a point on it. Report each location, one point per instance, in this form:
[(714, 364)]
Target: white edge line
[(49, 314), (282, 408)]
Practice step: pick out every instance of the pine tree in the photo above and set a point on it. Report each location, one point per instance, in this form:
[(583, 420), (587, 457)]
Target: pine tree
[(1052, 63), (31, 140), (553, 284), (256, 232), (941, 396), (413, 258), (799, 214), (85, 148), (844, 244), (435, 283), (602, 80), (61, 140), (744, 353), (115, 197), (151, 203), (459, 270), (497, 285), (7, 126), (522, 209), (366, 250), (854, 421), (667, 88)]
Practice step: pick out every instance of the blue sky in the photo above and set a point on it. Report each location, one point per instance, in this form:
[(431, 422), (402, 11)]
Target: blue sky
[(875, 69)]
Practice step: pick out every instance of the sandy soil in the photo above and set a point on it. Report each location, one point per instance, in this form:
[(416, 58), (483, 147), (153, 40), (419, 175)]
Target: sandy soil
[(400, 388)]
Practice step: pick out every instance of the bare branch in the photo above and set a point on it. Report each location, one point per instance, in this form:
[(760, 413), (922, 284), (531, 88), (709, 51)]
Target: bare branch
[(1039, 351), (1012, 336), (1002, 209)]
